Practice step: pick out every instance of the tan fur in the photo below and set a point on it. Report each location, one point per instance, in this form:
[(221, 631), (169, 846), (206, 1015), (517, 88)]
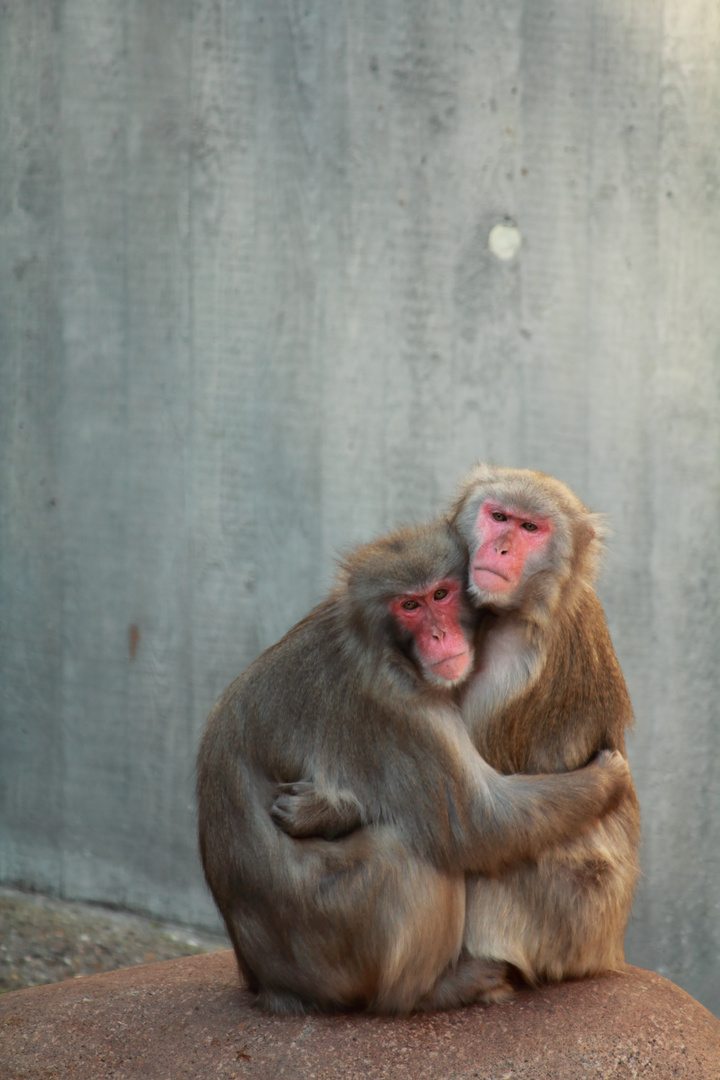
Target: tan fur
[(339, 713), (546, 695)]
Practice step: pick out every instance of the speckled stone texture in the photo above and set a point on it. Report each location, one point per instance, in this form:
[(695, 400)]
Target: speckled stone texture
[(189, 1018)]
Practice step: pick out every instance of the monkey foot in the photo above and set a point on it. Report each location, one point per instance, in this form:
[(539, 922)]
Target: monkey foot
[(284, 1003), (472, 979)]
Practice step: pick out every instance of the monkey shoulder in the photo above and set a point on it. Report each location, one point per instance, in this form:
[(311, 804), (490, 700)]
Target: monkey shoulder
[(308, 660), (290, 696), (580, 703), (583, 662)]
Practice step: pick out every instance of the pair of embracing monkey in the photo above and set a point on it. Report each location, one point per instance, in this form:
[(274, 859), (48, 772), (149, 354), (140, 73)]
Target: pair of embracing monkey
[(419, 796)]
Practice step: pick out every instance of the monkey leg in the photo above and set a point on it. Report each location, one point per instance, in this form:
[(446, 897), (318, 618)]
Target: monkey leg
[(359, 923), (562, 917), (422, 919)]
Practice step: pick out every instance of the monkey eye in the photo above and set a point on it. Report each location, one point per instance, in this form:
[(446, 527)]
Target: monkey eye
[(440, 594), (410, 605), (529, 526), (498, 516)]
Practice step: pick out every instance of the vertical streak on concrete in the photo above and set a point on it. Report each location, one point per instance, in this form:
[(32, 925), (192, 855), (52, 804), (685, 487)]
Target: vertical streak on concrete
[(484, 188), (287, 420), (160, 576), (678, 917), (96, 611), (557, 72), (621, 318), (226, 299), (31, 363)]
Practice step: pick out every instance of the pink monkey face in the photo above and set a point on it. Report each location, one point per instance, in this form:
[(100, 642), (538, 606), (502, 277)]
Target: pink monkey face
[(507, 541), (433, 618)]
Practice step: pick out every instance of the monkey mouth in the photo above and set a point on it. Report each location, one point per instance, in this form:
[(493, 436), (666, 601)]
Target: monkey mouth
[(487, 570), (451, 668), (449, 659)]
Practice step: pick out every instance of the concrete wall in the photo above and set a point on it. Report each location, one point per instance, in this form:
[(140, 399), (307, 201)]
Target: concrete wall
[(249, 315)]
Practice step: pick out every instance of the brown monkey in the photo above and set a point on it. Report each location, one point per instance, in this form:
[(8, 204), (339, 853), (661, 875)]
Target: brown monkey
[(546, 695), (353, 710)]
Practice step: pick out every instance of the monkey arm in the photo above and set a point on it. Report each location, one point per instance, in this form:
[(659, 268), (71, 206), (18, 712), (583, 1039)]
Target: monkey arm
[(499, 822), (516, 817), (301, 811)]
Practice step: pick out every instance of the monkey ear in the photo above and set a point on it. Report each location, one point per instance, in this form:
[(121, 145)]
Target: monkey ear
[(597, 527), (591, 534)]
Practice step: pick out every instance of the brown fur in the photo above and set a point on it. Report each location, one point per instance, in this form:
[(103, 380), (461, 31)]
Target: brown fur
[(339, 712), (547, 694)]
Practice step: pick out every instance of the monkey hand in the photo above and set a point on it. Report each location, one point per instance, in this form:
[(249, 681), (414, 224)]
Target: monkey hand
[(301, 811), (617, 770)]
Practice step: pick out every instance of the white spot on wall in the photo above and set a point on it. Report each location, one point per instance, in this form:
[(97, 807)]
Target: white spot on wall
[(504, 241)]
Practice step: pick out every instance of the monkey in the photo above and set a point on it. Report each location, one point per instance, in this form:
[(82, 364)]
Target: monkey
[(546, 694), (353, 715)]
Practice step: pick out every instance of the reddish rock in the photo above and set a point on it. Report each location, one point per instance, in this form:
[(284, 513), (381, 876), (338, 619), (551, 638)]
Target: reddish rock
[(189, 1018)]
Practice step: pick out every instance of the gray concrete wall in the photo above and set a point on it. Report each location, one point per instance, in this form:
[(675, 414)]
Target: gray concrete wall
[(249, 315)]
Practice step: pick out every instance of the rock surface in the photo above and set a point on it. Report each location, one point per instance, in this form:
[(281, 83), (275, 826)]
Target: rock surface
[(188, 1018)]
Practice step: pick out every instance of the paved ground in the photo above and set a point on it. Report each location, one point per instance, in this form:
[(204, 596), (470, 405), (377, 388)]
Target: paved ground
[(43, 940)]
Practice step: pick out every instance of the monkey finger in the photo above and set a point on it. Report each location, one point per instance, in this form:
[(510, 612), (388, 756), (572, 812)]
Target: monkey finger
[(295, 787), (615, 763), (617, 769), (286, 805), (284, 817), (605, 756)]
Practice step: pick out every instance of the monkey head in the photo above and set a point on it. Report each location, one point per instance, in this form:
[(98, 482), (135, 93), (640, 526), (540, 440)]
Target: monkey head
[(407, 598), (431, 616), (529, 537)]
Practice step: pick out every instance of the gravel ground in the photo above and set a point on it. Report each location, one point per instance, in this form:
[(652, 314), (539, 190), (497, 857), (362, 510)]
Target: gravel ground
[(43, 940)]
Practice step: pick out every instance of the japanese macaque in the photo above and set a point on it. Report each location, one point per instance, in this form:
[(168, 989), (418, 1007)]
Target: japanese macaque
[(546, 695), (353, 713)]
